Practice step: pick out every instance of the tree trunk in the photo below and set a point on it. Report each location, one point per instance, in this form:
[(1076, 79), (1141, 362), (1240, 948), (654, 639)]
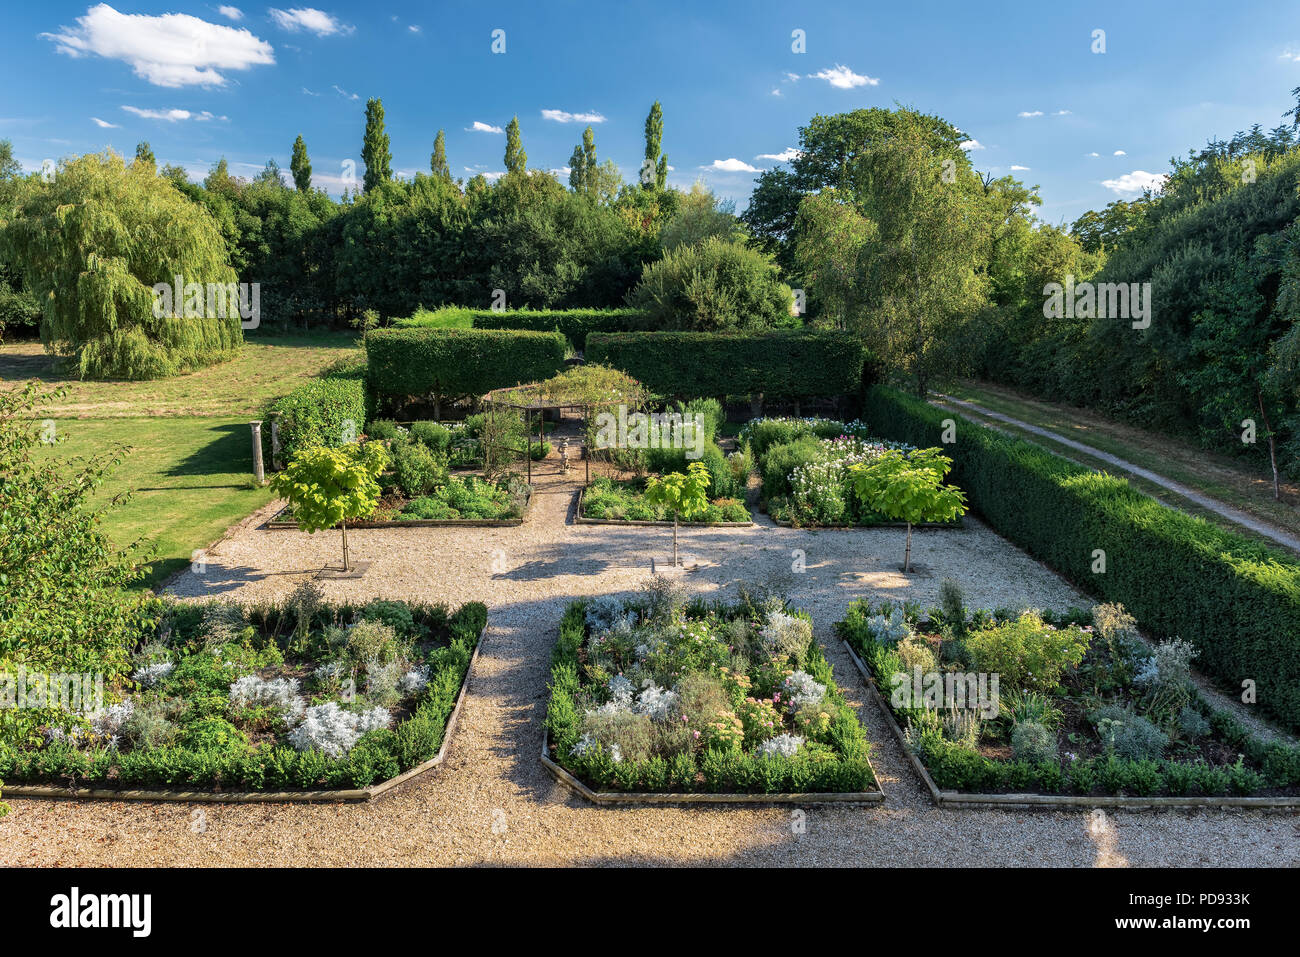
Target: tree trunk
[(907, 553), (1272, 446), (344, 525), (674, 539)]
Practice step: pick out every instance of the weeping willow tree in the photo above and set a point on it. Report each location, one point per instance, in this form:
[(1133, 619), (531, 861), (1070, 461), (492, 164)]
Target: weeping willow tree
[(93, 242)]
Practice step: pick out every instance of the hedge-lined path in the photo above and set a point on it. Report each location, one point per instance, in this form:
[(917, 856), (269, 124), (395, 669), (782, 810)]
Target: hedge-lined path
[(492, 802), (1234, 515)]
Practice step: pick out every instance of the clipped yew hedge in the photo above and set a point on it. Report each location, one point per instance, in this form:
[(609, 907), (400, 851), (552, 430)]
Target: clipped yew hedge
[(787, 363), (573, 324), (1236, 600), (420, 362), (328, 411)]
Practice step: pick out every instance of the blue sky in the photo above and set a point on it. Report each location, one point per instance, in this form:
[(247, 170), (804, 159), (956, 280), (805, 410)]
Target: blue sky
[(1019, 78)]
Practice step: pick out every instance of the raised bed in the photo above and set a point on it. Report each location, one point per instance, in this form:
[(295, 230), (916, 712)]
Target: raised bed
[(951, 798), (235, 795), (661, 523), (276, 523), (729, 747)]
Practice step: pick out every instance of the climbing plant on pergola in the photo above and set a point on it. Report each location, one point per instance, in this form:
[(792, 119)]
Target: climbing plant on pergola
[(587, 389)]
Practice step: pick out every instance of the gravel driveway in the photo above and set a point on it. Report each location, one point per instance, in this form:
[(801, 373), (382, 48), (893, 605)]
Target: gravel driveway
[(492, 802)]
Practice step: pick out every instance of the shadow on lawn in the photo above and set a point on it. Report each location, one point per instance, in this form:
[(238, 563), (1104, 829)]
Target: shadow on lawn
[(230, 450)]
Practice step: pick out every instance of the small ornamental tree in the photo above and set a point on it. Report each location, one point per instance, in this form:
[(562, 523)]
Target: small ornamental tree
[(683, 495), (326, 487), (909, 488)]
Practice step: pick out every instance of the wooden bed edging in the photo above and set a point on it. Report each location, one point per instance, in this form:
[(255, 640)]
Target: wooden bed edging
[(964, 799), (273, 525), (348, 795), (695, 797), (657, 523)]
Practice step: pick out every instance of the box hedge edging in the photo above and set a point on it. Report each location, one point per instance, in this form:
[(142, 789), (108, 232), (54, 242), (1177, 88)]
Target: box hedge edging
[(1235, 600)]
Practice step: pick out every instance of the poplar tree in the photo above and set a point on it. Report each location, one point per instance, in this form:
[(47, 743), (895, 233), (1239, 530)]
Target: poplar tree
[(516, 158), (300, 166), (654, 158), (438, 161), (374, 148), (144, 154)]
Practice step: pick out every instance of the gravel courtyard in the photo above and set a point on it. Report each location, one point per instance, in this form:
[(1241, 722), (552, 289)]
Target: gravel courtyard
[(493, 803)]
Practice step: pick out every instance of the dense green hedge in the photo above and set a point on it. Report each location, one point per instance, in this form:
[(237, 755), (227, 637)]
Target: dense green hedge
[(1236, 600), (783, 363), (574, 324), (453, 362), (318, 412)]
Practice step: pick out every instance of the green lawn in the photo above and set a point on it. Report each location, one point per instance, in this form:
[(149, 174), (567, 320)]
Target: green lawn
[(191, 462), (190, 479), (266, 368)]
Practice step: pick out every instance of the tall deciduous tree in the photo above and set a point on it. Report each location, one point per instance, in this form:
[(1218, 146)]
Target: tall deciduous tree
[(92, 244), (438, 161), (655, 161), (374, 147), (300, 166), (144, 155), (516, 159)]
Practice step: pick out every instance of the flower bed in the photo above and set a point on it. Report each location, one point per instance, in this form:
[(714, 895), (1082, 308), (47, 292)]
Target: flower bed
[(1081, 706), (461, 500), (804, 464), (655, 696), (294, 697), (613, 501)]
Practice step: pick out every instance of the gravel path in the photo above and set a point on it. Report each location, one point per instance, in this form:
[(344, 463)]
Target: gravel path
[(493, 803)]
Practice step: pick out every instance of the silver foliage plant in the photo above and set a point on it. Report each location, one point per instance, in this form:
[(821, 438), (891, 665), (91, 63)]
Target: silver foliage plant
[(889, 629), (802, 690), (785, 744), (150, 675), (784, 634), (333, 731)]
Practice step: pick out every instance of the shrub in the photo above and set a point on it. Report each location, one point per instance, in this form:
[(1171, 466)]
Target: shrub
[(1028, 654), (1235, 600), (320, 412), (418, 470), (1032, 742), (211, 734), (782, 363), (434, 436), (573, 324), (711, 287), (403, 363), (333, 731), (385, 429)]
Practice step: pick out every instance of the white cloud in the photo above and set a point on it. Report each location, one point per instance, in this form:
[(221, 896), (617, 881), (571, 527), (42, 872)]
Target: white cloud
[(784, 156), (104, 124), (561, 116), (231, 13), (309, 92), (481, 127), (732, 165), (1290, 55), (1029, 114), (414, 28), (1135, 182), (1119, 153), (171, 50), (971, 145), (490, 177), (1061, 113), (1094, 154), (562, 173), (172, 116), (843, 78), (776, 91), (310, 19), (792, 77), (1019, 169), (345, 94)]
